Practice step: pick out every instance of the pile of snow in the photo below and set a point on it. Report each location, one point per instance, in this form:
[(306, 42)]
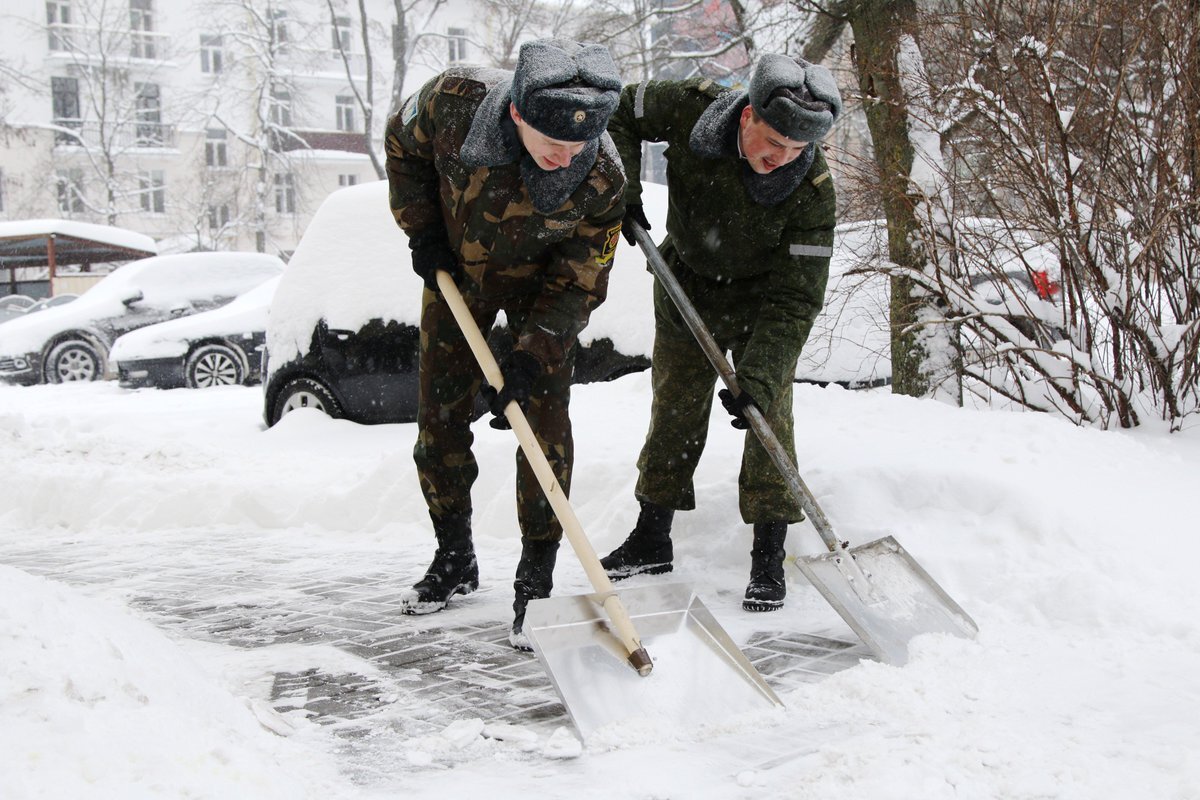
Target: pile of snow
[(95, 703)]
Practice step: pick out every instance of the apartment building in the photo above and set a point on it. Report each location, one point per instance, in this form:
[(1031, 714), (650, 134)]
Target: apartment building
[(218, 124)]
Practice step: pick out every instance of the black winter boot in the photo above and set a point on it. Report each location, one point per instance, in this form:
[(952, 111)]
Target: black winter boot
[(648, 548), (453, 570), (534, 580), (767, 588)]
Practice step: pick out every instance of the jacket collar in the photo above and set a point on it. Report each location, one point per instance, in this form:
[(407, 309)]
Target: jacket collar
[(492, 141), (715, 135)]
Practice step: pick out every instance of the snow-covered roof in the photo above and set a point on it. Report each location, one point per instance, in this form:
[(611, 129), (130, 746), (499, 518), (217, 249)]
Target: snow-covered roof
[(23, 242)]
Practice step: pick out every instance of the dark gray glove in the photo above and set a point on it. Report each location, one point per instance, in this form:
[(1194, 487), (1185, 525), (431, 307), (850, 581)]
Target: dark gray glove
[(431, 252), (736, 406), (633, 213), (520, 370)]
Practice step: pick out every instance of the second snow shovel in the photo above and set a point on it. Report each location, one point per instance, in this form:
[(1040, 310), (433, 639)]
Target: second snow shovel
[(588, 642), (880, 590)]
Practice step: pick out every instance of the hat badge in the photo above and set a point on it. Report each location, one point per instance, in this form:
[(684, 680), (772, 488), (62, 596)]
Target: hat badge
[(580, 116)]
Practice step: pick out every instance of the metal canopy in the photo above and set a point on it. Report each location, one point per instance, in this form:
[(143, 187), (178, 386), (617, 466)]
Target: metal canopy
[(52, 242)]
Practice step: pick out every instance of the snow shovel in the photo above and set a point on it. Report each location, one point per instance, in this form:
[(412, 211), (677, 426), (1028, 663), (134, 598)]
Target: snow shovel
[(587, 641), (880, 590)]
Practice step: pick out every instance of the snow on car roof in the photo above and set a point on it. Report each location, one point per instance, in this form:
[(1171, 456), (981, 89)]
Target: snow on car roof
[(246, 314), (353, 264)]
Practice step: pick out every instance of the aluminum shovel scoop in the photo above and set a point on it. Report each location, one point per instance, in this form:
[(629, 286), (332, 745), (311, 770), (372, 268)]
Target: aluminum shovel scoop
[(880, 590), (588, 643)]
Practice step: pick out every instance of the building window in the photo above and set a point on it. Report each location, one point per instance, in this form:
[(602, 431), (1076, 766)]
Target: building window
[(278, 28), (216, 153), (141, 26), (58, 21), (341, 34), (281, 107), (148, 114), (64, 94), (218, 217), (457, 39), (212, 55), (153, 192), (285, 193), (68, 185), (345, 113), (347, 180)]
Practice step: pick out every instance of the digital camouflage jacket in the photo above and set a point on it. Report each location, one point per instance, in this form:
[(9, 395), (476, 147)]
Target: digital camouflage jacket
[(734, 231), (454, 160)]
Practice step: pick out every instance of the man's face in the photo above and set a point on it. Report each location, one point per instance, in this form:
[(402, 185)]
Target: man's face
[(765, 148), (549, 154)]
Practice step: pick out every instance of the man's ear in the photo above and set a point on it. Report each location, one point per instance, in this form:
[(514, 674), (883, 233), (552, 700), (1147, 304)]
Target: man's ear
[(512, 112), (747, 113)]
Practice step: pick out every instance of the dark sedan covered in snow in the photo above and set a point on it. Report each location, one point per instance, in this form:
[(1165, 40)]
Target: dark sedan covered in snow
[(222, 347)]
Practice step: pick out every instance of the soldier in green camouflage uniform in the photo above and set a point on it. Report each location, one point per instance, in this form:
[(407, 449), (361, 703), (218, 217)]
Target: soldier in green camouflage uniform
[(749, 236), (508, 182)]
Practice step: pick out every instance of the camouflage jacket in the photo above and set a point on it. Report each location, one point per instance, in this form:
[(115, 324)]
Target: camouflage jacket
[(454, 160), (766, 235)]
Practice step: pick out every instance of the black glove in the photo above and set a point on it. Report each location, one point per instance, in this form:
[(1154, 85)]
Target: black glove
[(736, 406), (633, 213), (519, 370), (430, 253)]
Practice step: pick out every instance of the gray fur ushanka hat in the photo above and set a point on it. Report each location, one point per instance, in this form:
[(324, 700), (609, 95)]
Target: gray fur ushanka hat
[(798, 99), (564, 89)]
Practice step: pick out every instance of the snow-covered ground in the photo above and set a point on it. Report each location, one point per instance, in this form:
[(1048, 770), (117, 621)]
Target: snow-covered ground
[(1075, 551)]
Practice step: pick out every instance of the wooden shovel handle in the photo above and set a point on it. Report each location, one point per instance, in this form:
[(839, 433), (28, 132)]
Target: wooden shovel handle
[(622, 624)]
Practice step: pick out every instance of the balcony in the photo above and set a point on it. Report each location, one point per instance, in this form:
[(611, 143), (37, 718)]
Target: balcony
[(321, 63), (347, 142), (84, 44), (124, 136)]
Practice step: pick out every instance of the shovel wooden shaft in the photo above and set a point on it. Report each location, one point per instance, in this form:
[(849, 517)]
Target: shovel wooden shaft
[(716, 355), (622, 624)]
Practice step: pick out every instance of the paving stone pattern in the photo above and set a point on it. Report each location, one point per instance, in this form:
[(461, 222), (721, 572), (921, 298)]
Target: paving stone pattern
[(211, 589)]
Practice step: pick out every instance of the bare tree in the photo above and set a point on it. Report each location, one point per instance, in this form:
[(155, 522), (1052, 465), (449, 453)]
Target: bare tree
[(412, 28), (108, 105)]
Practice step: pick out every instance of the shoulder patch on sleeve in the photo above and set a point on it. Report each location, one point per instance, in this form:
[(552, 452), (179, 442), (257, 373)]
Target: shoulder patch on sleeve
[(611, 238), (409, 111)]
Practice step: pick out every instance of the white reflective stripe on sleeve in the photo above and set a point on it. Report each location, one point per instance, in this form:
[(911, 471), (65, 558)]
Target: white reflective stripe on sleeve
[(639, 100), (810, 250)]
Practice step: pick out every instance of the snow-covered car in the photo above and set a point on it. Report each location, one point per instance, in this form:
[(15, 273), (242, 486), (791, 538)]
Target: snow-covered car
[(71, 342), (342, 333), (222, 347), (14, 305)]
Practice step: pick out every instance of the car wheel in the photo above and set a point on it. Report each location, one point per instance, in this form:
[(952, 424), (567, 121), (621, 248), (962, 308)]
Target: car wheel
[(73, 360), (305, 393), (214, 365)]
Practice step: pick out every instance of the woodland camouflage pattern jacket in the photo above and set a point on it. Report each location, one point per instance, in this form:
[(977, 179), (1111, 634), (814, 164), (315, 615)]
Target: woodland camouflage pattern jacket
[(481, 195)]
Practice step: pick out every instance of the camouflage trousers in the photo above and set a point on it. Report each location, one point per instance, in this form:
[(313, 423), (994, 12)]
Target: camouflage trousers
[(448, 381), (684, 383)]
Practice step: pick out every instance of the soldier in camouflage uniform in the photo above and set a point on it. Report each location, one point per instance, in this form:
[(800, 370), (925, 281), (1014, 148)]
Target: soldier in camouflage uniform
[(749, 236), (509, 182)]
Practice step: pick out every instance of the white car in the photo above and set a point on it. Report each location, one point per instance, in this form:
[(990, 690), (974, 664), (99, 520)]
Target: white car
[(71, 342), (222, 347)]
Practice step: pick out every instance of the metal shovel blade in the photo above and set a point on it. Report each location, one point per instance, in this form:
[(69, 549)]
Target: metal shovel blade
[(699, 676), (900, 602)]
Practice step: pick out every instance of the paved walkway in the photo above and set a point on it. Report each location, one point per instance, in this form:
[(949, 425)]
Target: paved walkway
[(429, 671)]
